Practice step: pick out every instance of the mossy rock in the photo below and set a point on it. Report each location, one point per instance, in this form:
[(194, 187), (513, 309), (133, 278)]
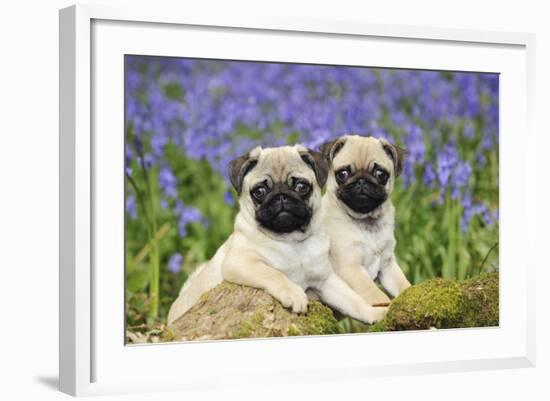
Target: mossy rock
[(231, 311), (441, 304)]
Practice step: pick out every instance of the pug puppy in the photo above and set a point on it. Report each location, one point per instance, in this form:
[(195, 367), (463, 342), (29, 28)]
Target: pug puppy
[(279, 242), (359, 214)]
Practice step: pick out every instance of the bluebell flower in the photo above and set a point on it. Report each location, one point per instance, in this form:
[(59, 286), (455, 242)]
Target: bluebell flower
[(187, 215), (228, 198), (480, 158), (131, 207), (175, 262), (461, 174), (168, 182), (158, 142), (416, 150), (472, 209), (429, 175), (447, 157), (223, 105), (128, 159), (469, 130), (138, 144)]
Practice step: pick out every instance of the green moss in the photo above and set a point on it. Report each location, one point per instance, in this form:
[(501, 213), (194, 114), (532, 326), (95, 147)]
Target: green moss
[(293, 331), (168, 335), (252, 327), (245, 330), (258, 317), (318, 320), (440, 303), (481, 300)]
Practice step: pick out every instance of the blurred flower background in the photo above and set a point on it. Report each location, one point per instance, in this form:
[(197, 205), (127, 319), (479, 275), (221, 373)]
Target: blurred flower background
[(187, 118)]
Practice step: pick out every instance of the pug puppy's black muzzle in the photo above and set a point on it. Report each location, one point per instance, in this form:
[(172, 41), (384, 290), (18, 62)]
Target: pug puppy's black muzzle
[(283, 212), (362, 195)]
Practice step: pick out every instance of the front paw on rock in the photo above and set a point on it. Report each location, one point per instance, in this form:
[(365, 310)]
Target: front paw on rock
[(377, 314), (293, 297)]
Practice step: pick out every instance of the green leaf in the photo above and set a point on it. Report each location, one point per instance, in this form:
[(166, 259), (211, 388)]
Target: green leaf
[(138, 281)]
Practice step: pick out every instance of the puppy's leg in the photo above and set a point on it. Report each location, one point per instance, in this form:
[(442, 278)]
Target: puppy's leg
[(360, 281), (336, 293), (393, 279), (255, 273), (206, 277)]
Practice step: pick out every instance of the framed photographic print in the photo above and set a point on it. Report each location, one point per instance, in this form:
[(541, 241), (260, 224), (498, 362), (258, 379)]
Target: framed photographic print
[(235, 193)]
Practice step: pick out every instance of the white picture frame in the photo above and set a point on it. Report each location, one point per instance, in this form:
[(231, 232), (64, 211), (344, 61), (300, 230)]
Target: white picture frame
[(93, 358)]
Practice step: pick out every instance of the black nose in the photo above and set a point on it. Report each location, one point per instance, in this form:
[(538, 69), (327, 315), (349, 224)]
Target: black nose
[(362, 183), (282, 199)]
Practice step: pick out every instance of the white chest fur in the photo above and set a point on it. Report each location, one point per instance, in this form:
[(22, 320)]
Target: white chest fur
[(305, 263), (374, 248)]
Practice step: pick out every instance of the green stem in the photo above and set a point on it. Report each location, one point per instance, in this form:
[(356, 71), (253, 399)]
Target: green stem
[(154, 257), (451, 255), (139, 196), (487, 257), (494, 173), (460, 255)]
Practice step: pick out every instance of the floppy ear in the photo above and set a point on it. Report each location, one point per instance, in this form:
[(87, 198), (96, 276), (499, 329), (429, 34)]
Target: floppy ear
[(396, 154), (318, 164), (330, 149), (238, 168)]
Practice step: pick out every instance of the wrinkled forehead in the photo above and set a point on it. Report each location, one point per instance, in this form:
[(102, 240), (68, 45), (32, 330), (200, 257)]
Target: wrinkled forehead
[(280, 164), (362, 153)]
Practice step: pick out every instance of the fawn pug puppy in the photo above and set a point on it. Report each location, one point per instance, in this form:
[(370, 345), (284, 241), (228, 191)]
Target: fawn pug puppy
[(279, 242), (360, 215)]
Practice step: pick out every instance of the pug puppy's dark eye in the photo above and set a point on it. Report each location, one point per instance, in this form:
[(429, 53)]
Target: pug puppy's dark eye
[(302, 188), (381, 176), (342, 174), (259, 192)]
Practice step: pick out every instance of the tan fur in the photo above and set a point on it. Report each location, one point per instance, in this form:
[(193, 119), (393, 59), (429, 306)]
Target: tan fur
[(284, 265), (362, 245)]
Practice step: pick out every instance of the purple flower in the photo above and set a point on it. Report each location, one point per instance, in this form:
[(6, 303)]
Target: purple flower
[(416, 150), (471, 209), (131, 208), (128, 159), (461, 174), (158, 142), (146, 161), (487, 216), (138, 144), (175, 262), (191, 215), (429, 175), (168, 182), (469, 130), (446, 160), (187, 215), (228, 198), (480, 158), (215, 110)]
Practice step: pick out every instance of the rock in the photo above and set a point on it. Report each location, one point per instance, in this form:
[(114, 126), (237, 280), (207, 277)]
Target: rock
[(235, 311), (442, 304), (231, 311)]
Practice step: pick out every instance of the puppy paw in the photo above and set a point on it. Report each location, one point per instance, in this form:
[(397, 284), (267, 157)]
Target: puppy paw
[(292, 296), (374, 315), (377, 298)]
